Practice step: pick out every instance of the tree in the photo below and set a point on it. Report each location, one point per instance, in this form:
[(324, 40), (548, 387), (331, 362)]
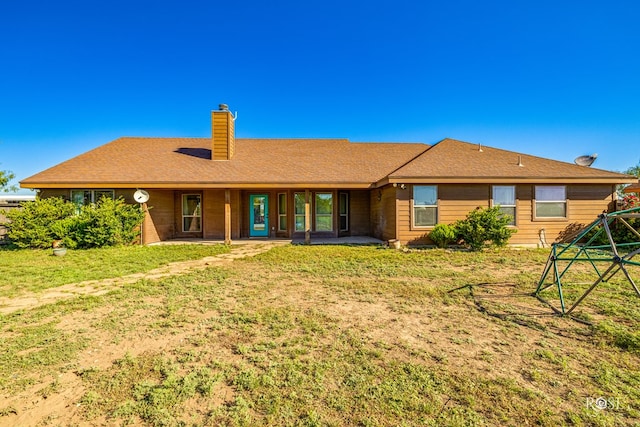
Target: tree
[(634, 170), (5, 178)]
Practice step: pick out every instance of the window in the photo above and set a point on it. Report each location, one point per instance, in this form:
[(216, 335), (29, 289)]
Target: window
[(504, 196), (85, 197), (425, 205), (282, 212), (344, 211), (324, 212), (299, 211), (191, 216), (551, 201)]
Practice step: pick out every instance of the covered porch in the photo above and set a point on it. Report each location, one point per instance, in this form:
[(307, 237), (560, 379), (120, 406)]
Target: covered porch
[(295, 215)]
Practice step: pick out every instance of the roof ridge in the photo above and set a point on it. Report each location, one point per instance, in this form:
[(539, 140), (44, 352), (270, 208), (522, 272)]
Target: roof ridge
[(428, 147)]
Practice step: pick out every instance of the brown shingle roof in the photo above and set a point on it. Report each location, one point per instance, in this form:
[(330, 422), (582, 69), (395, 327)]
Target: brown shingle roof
[(633, 188), (457, 161), (187, 161)]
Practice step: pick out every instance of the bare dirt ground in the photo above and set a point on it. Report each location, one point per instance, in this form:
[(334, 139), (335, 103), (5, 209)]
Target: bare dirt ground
[(41, 406), (471, 338)]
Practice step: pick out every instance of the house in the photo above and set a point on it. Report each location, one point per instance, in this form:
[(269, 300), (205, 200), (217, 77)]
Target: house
[(633, 188), (227, 188)]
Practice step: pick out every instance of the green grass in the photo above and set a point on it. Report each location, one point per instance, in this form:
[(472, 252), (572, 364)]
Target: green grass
[(331, 336), (36, 270)]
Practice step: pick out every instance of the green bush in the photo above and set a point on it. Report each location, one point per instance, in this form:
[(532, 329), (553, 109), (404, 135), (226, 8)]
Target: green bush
[(106, 223), (443, 235), (36, 225), (483, 227)]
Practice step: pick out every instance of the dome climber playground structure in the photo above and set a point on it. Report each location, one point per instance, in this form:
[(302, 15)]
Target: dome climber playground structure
[(605, 259)]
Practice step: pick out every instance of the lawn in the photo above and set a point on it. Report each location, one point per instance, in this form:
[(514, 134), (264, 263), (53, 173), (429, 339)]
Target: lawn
[(328, 335), (35, 270)]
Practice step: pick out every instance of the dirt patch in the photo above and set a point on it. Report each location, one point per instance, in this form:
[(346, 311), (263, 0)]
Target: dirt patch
[(489, 332)]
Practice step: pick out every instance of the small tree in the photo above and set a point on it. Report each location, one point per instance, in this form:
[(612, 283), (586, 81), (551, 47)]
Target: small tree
[(5, 178), (485, 225)]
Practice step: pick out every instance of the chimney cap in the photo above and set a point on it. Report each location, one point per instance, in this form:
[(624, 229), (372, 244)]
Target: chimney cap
[(223, 107)]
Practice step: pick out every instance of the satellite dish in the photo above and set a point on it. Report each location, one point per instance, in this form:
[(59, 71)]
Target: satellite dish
[(585, 160), (141, 196)]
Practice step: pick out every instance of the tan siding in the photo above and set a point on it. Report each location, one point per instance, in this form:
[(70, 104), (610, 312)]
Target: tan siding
[(585, 203), (359, 213), (383, 213), (236, 215), (213, 214), (54, 192), (159, 218), (455, 201)]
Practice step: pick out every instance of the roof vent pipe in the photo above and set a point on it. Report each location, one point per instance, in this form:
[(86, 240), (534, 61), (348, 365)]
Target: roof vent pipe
[(520, 161)]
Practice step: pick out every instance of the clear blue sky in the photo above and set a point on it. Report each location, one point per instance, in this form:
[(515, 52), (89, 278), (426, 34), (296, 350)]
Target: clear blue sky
[(555, 79)]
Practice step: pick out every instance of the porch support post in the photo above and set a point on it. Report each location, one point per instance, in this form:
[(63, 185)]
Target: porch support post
[(307, 217), (227, 216)]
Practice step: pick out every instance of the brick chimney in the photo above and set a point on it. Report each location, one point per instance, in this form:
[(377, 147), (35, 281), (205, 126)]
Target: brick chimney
[(222, 133)]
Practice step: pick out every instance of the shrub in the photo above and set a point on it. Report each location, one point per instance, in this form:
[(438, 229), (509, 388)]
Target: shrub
[(484, 225), (443, 235), (36, 225), (106, 223)]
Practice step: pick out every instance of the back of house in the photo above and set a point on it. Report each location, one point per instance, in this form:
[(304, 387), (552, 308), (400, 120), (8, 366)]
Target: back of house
[(229, 188)]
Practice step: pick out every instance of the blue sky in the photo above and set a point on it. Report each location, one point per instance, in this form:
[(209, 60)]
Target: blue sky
[(556, 79)]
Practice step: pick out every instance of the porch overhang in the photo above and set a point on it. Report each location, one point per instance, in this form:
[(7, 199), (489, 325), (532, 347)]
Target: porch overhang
[(199, 185)]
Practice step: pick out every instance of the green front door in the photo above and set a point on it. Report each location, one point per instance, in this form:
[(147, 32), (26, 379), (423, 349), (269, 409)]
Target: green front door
[(258, 215)]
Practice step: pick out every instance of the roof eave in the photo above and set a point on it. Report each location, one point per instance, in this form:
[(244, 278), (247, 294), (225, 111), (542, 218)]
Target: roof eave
[(200, 185), (502, 180)]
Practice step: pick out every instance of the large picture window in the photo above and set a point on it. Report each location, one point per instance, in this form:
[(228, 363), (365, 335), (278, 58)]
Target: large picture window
[(551, 201), (324, 212), (504, 196), (191, 213), (425, 205)]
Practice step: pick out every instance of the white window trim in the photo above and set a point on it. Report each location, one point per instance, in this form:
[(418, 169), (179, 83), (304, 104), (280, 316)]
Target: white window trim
[(514, 206), (414, 205), (184, 195), (550, 218)]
